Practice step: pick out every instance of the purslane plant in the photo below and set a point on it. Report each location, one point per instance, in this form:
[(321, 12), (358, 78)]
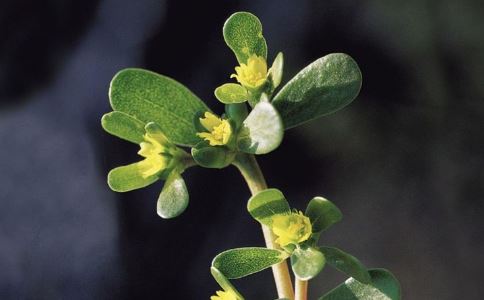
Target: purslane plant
[(165, 119)]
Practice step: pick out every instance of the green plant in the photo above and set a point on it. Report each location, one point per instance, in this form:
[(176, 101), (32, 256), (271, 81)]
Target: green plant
[(164, 118)]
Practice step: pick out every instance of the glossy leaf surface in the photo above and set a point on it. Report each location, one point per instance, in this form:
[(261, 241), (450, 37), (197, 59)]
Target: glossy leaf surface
[(322, 213), (307, 263), (173, 199), (262, 130), (384, 286), (323, 87), (346, 263)]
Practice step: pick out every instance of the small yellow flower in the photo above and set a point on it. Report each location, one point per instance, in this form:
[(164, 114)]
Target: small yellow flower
[(291, 228), (221, 295), (253, 74), (156, 151), (219, 130)]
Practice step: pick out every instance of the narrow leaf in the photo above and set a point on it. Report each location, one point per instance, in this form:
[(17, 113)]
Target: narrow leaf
[(151, 97), (322, 213), (243, 34), (128, 178), (325, 86), (240, 262), (267, 203), (224, 282), (262, 131), (276, 71), (123, 126), (231, 93), (346, 263), (173, 199), (384, 286), (307, 263)]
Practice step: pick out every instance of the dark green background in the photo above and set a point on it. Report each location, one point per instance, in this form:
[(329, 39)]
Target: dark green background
[(404, 162)]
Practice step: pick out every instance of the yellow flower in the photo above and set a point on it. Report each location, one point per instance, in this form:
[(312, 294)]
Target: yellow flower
[(221, 295), (291, 228), (253, 74), (156, 151), (219, 130)]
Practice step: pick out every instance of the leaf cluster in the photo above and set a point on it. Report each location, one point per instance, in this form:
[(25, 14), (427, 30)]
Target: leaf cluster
[(177, 130)]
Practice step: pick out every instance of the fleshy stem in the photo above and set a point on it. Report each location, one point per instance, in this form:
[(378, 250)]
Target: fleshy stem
[(301, 289), (250, 170)]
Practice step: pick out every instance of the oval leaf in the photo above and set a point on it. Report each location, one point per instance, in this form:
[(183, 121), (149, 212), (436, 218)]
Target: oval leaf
[(243, 34), (384, 286), (240, 262), (148, 96), (262, 131), (322, 213), (267, 203), (212, 156), (231, 93), (307, 263), (173, 199), (128, 178), (275, 72), (325, 86), (346, 263), (123, 126)]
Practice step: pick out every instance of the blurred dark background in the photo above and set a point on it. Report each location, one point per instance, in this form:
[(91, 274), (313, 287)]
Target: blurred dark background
[(404, 162)]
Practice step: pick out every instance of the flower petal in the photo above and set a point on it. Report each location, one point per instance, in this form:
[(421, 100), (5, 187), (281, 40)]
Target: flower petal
[(209, 121)]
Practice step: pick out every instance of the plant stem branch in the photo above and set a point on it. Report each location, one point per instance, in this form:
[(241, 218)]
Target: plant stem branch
[(301, 289), (250, 170)]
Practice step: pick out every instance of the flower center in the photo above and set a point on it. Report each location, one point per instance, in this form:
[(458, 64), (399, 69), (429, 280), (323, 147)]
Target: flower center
[(293, 228), (253, 74), (220, 130)]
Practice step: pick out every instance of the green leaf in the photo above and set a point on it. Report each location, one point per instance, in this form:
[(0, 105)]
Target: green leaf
[(173, 199), (384, 286), (346, 263), (237, 113), (243, 34), (267, 203), (240, 262), (307, 263), (212, 156), (276, 71), (150, 97), (128, 178), (325, 86), (322, 213), (262, 131), (124, 126), (231, 93), (224, 282)]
